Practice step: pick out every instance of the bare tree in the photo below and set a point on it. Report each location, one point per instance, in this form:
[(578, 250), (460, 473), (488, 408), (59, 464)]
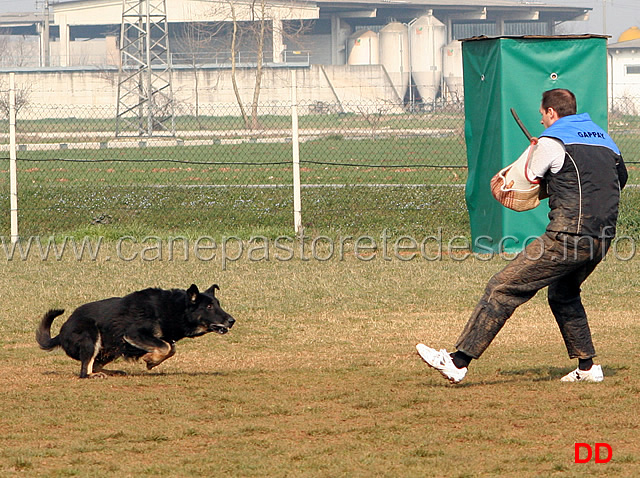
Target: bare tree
[(242, 27), (261, 29), (4, 46), (23, 95), (18, 50), (192, 46), (254, 34), (234, 50)]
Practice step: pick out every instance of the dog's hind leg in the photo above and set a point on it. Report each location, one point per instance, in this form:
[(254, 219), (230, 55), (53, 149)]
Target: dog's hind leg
[(157, 349), (87, 363), (81, 340)]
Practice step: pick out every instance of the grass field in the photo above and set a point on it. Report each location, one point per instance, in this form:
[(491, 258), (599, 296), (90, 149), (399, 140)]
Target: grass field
[(403, 172), (48, 119), (319, 377), (408, 184), (214, 187)]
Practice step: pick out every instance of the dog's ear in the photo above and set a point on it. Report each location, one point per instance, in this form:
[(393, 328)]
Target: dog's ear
[(192, 293), (212, 290)]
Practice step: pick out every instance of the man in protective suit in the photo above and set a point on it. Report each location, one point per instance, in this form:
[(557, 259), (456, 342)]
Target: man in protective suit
[(583, 173)]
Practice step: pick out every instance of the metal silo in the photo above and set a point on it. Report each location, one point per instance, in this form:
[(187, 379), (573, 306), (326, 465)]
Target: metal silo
[(394, 55), (363, 48), (427, 36), (452, 70)]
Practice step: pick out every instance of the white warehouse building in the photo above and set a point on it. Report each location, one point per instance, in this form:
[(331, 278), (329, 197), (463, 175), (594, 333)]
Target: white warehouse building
[(384, 49), (624, 72)]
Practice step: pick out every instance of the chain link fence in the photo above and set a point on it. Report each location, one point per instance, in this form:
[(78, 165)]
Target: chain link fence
[(364, 168)]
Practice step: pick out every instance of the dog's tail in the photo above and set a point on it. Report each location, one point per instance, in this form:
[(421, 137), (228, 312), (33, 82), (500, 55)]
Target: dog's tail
[(43, 333)]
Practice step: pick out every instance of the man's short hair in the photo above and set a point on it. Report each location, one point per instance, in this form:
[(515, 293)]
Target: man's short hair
[(561, 100)]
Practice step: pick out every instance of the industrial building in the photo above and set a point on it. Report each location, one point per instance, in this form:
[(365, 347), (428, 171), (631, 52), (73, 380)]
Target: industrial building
[(624, 72), (404, 47)]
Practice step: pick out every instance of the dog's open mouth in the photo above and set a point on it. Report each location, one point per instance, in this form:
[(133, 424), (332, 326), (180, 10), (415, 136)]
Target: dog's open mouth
[(220, 329)]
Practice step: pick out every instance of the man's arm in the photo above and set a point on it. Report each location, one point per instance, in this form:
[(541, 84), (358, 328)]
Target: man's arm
[(548, 155), (623, 175)]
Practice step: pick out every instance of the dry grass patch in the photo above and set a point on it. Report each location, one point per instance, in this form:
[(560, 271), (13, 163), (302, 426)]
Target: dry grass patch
[(319, 378)]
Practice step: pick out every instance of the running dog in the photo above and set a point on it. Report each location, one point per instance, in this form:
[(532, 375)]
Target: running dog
[(142, 325)]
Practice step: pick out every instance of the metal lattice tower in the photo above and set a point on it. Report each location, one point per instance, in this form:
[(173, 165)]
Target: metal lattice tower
[(145, 98)]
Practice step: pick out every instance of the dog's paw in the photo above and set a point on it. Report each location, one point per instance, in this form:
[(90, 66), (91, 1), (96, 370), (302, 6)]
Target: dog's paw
[(115, 373), (97, 375)]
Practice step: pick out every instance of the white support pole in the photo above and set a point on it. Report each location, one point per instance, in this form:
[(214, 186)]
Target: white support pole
[(65, 42), (277, 41), (13, 169), (295, 145)]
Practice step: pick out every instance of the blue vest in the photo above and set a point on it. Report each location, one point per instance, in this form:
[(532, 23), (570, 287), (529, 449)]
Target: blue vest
[(584, 193), (580, 129)]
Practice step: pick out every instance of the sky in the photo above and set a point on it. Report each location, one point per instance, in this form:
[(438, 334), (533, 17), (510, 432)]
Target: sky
[(619, 14)]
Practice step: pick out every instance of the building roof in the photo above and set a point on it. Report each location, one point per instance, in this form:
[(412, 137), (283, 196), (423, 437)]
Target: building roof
[(559, 12), (626, 45), (448, 3), (81, 12), (17, 19)]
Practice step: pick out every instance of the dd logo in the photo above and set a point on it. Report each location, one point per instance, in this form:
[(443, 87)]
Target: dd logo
[(579, 458)]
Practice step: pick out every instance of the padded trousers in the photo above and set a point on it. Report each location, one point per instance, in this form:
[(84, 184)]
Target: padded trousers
[(558, 261)]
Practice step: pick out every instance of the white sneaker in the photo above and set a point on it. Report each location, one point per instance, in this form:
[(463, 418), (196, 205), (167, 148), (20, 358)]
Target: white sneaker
[(594, 374), (442, 362)]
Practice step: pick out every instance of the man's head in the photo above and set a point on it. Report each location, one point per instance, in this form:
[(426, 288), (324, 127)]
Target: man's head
[(557, 104)]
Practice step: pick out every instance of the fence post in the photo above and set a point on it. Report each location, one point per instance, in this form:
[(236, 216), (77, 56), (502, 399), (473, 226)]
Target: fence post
[(295, 145), (13, 169)]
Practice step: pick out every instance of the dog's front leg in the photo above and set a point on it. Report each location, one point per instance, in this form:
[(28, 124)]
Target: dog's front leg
[(157, 349), (159, 355)]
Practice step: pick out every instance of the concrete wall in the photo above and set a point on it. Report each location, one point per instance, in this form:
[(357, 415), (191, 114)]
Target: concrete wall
[(340, 86)]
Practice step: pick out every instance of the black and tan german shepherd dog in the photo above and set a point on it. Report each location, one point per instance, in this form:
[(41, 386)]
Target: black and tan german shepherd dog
[(142, 325)]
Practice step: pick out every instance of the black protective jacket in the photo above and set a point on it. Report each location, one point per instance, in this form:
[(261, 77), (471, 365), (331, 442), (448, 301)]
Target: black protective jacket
[(584, 194)]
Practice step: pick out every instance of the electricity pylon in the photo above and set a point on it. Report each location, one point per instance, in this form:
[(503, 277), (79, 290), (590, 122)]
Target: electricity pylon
[(145, 98)]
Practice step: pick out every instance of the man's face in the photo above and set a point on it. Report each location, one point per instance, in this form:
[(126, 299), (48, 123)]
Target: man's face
[(548, 116)]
